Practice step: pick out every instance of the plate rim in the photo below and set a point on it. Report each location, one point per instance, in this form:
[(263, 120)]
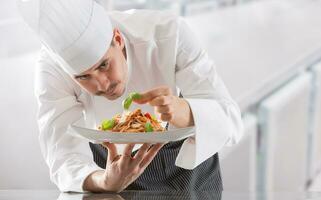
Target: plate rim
[(123, 135)]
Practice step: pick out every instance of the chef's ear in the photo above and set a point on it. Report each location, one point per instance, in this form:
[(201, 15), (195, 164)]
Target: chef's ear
[(118, 40)]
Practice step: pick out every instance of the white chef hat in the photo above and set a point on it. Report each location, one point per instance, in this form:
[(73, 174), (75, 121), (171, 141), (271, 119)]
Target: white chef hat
[(77, 32)]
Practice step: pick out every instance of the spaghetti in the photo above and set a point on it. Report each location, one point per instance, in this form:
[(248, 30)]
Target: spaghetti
[(134, 122)]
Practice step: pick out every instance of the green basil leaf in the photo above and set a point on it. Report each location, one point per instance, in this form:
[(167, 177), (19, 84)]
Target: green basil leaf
[(135, 95), (127, 102), (108, 124), (148, 127)]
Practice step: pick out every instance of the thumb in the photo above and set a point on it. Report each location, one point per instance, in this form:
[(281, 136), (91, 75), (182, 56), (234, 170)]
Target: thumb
[(112, 150)]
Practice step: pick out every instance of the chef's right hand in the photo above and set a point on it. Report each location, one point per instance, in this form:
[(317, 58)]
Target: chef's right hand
[(121, 170)]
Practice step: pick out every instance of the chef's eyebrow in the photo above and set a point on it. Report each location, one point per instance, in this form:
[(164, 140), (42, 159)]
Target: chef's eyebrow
[(105, 61), (79, 76)]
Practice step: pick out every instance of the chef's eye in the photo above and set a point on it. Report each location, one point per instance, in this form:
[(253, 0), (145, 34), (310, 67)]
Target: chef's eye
[(104, 66)]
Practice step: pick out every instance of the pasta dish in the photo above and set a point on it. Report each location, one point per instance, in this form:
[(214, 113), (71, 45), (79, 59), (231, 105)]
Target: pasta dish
[(133, 122)]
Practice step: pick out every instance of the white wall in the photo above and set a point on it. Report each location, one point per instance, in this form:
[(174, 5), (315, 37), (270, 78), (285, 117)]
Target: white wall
[(283, 118), (21, 163)]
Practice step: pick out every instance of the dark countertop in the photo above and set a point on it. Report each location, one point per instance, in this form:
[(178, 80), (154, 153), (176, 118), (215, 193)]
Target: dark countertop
[(141, 195)]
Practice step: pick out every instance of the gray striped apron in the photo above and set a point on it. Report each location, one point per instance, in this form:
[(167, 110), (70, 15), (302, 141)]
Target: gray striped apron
[(162, 174)]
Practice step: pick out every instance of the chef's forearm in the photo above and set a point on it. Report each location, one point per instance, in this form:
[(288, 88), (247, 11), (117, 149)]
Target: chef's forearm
[(94, 182)]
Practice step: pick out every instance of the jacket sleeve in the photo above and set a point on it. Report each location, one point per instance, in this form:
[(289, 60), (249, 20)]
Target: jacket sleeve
[(69, 158), (216, 115)]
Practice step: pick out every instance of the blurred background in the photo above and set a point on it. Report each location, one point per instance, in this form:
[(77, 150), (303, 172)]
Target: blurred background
[(267, 52)]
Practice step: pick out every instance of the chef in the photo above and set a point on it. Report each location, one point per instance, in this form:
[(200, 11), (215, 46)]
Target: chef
[(89, 63)]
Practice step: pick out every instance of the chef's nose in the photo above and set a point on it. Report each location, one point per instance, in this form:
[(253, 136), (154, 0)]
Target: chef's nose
[(102, 83)]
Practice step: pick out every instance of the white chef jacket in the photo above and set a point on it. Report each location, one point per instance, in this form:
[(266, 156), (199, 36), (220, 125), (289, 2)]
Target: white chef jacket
[(161, 50)]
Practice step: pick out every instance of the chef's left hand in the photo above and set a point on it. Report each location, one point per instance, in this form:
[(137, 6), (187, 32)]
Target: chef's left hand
[(168, 107)]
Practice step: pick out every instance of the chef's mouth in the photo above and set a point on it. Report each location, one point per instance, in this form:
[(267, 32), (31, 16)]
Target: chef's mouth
[(118, 92), (110, 91)]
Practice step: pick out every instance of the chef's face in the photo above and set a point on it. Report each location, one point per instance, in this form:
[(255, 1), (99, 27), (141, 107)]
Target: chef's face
[(108, 76)]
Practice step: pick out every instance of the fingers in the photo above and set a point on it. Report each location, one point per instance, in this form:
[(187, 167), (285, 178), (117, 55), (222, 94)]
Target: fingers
[(161, 100), (165, 113), (151, 94), (112, 150), (149, 156), (142, 158), (164, 109), (128, 150), (167, 117), (141, 152)]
